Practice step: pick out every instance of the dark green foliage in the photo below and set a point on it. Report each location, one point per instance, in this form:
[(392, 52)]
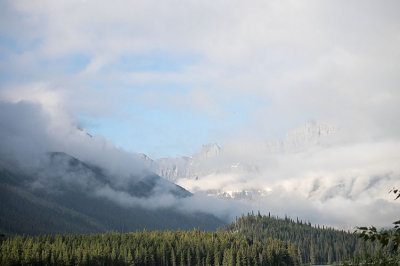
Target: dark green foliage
[(384, 237), (146, 248), (384, 244), (314, 244)]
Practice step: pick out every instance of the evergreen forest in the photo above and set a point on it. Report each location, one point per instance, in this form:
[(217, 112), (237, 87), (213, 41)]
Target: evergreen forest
[(146, 248), (249, 240), (315, 244)]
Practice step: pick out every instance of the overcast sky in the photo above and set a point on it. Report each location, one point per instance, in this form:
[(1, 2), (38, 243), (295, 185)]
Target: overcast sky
[(164, 77)]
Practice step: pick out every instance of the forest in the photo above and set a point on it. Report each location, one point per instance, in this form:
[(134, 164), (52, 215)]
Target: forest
[(315, 244), (249, 240), (193, 247), (323, 245)]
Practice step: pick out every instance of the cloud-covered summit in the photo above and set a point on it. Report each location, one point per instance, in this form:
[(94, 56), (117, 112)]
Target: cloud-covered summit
[(313, 172), (164, 78), (29, 130), (55, 156)]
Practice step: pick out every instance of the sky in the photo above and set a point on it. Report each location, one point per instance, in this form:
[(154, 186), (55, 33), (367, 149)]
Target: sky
[(165, 77)]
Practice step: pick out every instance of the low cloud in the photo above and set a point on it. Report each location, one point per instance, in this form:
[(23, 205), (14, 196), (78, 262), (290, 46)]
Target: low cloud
[(260, 69), (325, 179), (29, 130), (57, 156)]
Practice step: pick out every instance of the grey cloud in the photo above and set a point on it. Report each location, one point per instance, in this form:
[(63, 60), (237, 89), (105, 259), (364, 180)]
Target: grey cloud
[(23, 131), (29, 130), (67, 159)]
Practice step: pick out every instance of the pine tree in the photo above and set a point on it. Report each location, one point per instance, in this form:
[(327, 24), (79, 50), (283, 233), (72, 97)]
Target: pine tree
[(312, 253), (173, 258), (228, 258), (182, 263), (330, 255)]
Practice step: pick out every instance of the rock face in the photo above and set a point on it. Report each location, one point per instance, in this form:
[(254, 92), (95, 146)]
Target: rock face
[(208, 166), (174, 169), (208, 151), (311, 133)]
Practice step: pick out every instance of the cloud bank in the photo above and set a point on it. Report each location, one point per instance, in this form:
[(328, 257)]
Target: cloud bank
[(28, 131), (57, 157), (164, 78), (242, 70), (314, 173)]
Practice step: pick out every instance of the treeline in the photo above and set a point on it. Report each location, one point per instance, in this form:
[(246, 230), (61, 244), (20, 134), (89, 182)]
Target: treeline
[(315, 244), (146, 248)]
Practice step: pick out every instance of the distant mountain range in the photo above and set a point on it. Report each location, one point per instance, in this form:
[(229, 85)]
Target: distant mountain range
[(239, 161), (66, 195)]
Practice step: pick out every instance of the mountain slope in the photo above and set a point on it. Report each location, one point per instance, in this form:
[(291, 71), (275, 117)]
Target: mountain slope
[(67, 195)]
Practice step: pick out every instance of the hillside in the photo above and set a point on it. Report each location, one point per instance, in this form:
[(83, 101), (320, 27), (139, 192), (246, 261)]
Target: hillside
[(315, 244), (69, 196)]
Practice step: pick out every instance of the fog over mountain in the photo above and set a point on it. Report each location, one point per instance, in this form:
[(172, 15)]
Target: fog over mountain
[(214, 158), (136, 87), (313, 172), (43, 155)]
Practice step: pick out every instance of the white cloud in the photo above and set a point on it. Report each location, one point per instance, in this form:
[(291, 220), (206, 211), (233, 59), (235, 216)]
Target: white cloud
[(319, 176), (328, 60), (333, 61)]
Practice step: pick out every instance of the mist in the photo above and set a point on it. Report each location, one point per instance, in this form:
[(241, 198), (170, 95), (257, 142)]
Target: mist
[(29, 130), (328, 179), (48, 151), (104, 81)]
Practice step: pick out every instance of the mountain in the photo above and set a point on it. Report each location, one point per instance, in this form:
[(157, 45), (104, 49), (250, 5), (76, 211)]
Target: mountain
[(175, 168), (309, 134), (206, 170), (66, 195)]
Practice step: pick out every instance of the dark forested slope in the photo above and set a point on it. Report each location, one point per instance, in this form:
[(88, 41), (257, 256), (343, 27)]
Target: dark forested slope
[(70, 196), (315, 244)]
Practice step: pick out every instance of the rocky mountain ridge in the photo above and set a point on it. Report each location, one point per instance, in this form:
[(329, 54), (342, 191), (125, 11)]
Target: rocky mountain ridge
[(215, 160)]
